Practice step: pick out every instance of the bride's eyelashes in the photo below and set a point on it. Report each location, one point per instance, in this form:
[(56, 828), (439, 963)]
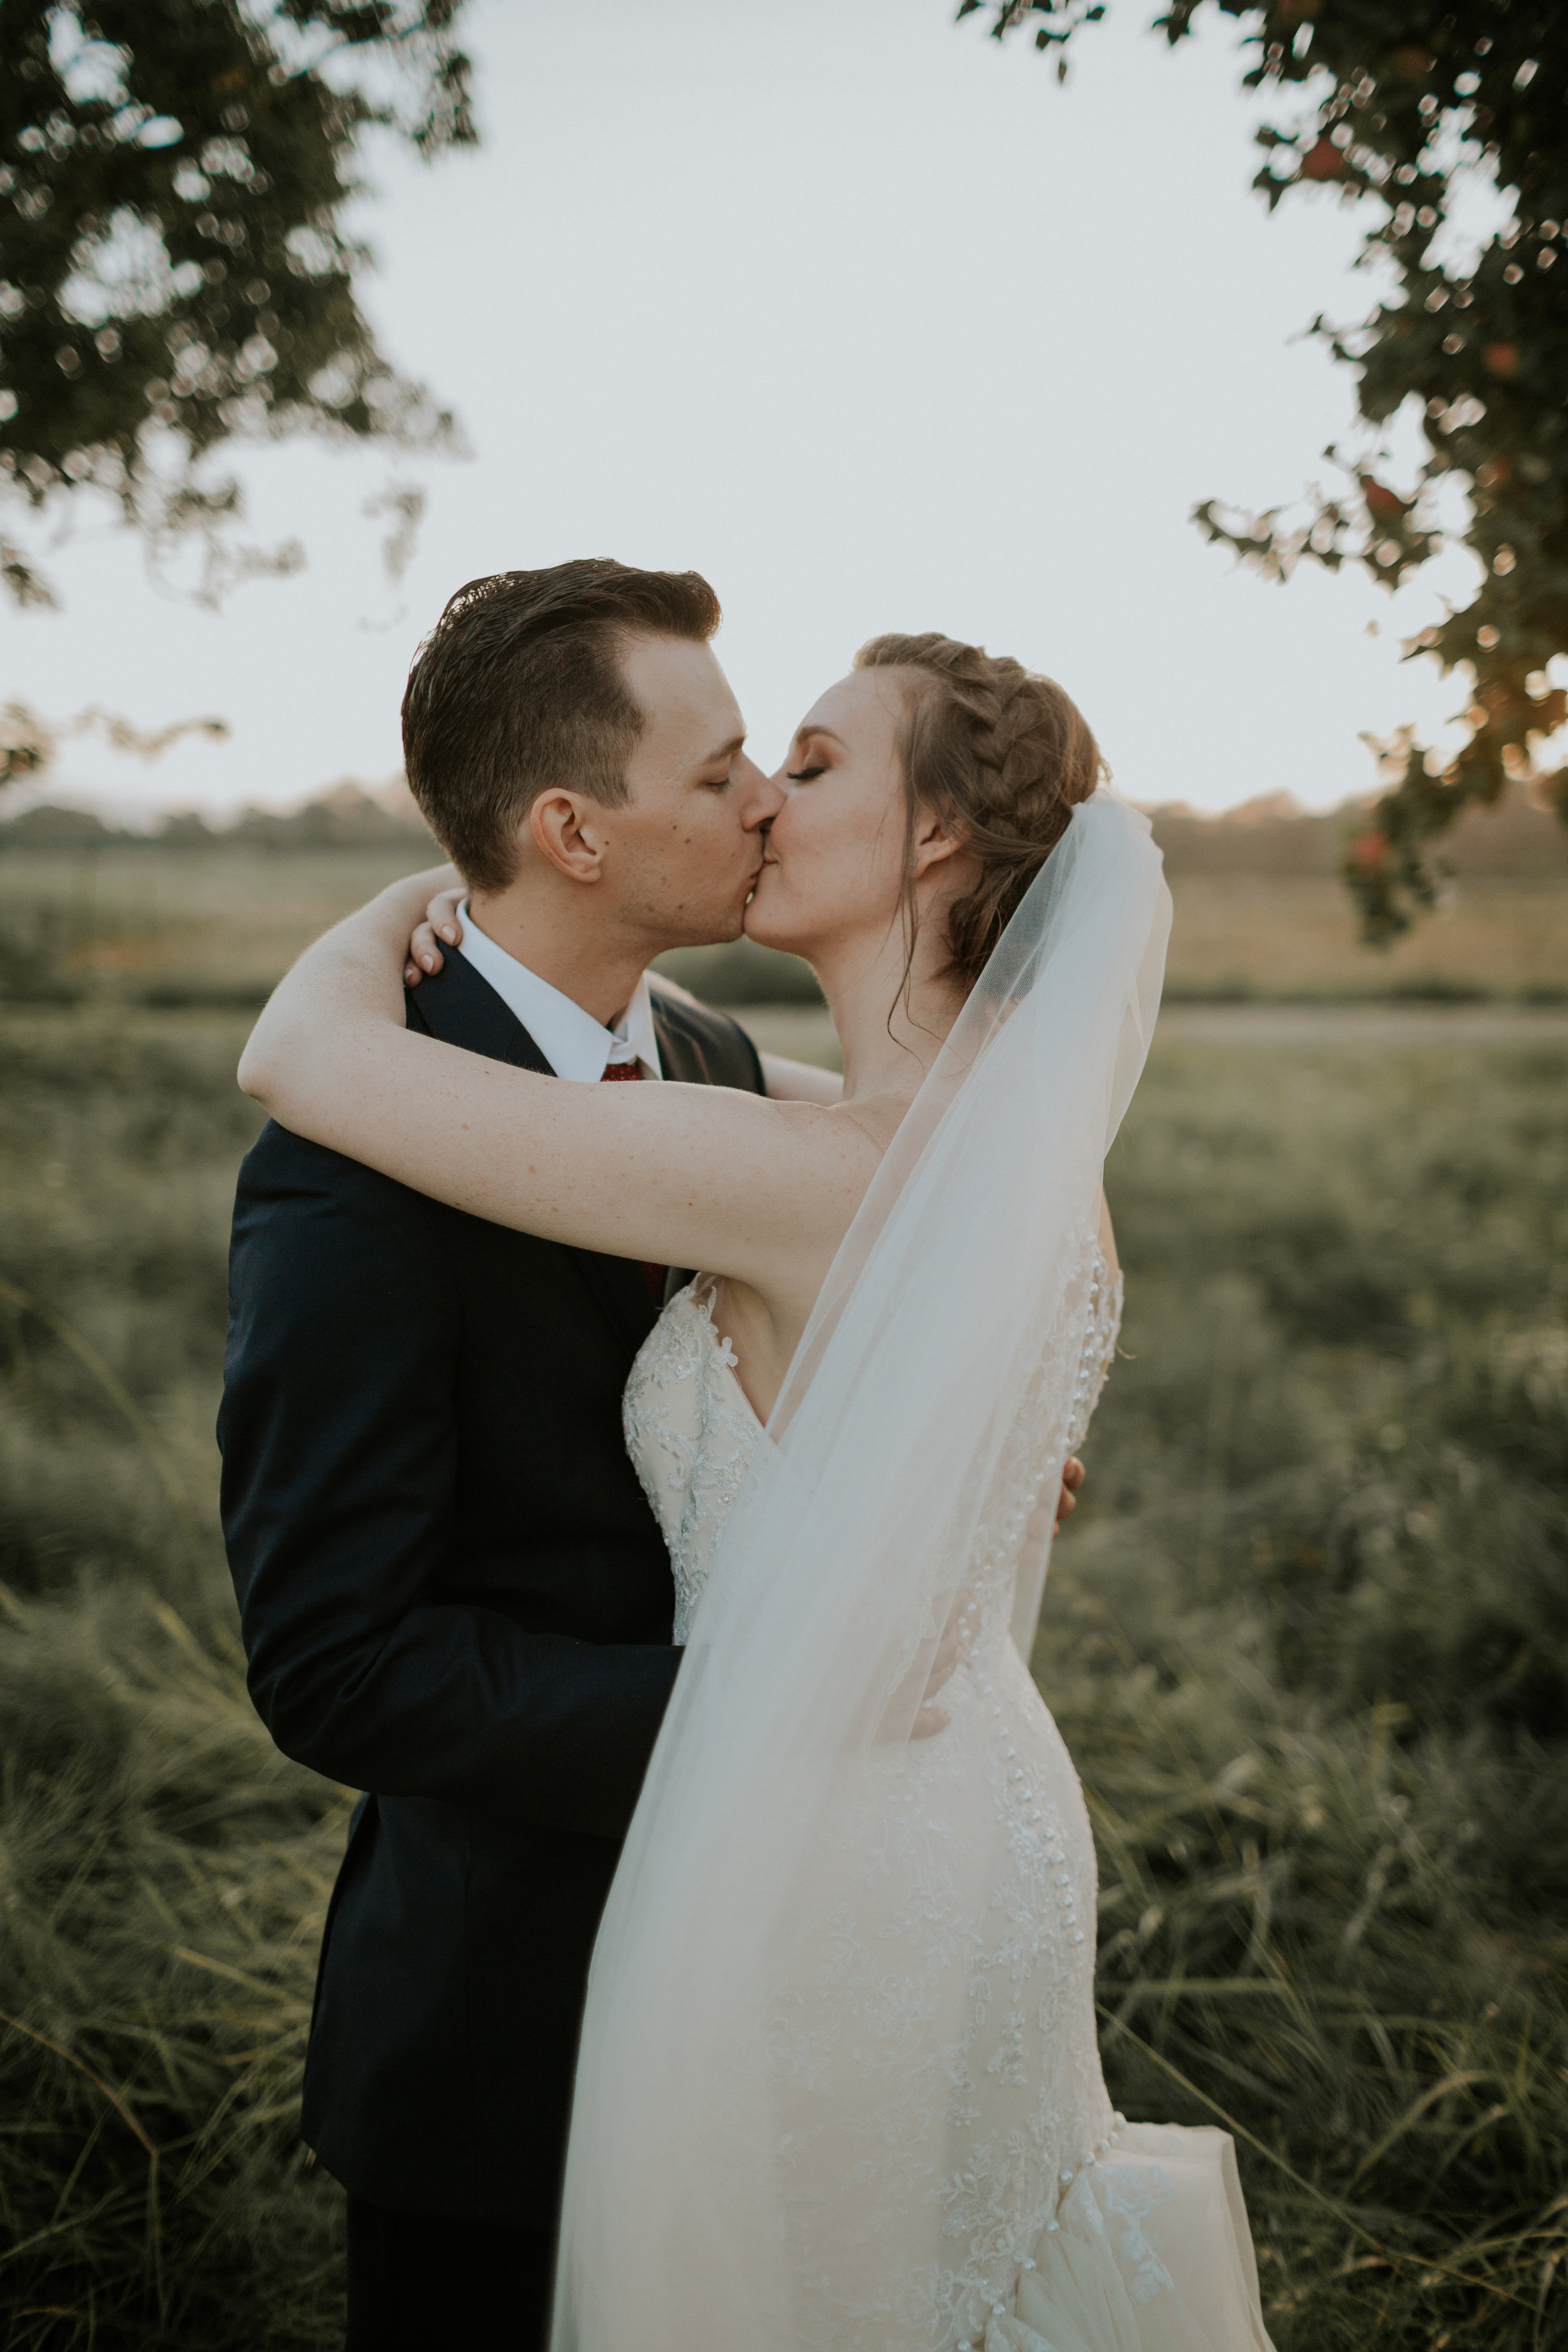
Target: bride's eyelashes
[(803, 775)]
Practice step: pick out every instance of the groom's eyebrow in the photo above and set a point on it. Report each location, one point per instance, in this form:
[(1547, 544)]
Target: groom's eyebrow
[(725, 752)]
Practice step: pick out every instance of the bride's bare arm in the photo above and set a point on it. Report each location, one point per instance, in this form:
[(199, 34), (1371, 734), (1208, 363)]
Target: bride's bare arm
[(685, 1175)]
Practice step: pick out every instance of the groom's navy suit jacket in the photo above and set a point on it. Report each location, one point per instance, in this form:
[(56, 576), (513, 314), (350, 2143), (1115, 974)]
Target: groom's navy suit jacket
[(455, 1597)]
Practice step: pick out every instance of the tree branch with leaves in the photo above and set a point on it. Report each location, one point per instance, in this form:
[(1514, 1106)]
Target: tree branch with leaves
[(175, 269), (1404, 103)]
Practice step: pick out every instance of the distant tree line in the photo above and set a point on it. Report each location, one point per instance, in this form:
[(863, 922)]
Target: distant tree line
[(1271, 836), (346, 818)]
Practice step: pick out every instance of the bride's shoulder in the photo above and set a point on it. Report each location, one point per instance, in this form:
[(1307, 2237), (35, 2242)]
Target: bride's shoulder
[(875, 1118)]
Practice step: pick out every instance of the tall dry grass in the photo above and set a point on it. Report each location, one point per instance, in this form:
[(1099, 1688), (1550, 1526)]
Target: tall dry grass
[(1307, 1639), (1310, 1645)]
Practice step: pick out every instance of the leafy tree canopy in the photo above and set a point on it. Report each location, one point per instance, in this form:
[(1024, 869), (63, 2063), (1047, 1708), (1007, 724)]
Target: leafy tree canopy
[(1402, 106), (173, 269)]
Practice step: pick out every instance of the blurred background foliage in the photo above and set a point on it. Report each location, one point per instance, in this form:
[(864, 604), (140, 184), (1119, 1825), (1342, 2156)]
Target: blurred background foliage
[(1415, 111), (1307, 1638), (174, 266)]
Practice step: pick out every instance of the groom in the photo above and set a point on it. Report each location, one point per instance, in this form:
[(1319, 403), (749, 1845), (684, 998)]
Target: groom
[(453, 1593)]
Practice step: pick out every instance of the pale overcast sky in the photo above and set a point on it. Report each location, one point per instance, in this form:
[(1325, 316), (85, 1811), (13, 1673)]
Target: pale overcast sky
[(855, 311)]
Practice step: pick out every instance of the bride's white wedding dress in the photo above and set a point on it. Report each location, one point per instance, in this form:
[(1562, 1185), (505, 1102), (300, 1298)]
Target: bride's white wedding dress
[(838, 2088), (976, 2189)]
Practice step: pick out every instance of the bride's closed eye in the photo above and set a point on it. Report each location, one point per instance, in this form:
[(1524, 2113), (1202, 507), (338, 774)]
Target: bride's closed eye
[(803, 775)]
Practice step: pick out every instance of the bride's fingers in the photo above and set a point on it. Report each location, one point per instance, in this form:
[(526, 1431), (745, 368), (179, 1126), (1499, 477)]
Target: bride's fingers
[(441, 916), (441, 923), (424, 955)]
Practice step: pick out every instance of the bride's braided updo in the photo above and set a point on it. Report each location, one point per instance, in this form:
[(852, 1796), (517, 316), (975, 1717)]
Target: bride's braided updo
[(1002, 755)]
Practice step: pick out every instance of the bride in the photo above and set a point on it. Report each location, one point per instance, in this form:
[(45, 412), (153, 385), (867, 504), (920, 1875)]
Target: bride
[(838, 2083)]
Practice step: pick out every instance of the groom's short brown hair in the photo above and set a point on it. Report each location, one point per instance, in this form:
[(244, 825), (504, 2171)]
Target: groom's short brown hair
[(518, 689)]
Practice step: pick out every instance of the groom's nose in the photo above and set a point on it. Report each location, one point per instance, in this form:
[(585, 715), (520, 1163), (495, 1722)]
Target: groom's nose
[(760, 797)]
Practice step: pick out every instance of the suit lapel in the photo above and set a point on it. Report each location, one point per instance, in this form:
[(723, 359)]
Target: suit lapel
[(459, 1008), (672, 1054), (680, 1056)]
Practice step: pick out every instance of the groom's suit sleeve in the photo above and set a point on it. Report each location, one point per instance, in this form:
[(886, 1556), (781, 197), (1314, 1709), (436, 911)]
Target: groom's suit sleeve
[(339, 1445)]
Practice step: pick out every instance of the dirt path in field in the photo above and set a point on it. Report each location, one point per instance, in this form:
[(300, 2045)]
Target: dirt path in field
[(1365, 1024), (806, 1031)]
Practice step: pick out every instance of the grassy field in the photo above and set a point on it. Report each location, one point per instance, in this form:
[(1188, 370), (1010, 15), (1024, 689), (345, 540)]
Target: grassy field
[(1308, 1638), (1260, 935)]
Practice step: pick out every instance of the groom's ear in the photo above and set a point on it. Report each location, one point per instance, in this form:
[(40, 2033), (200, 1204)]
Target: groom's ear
[(568, 829)]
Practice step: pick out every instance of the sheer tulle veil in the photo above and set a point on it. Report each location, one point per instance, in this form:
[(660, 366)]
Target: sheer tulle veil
[(699, 2131)]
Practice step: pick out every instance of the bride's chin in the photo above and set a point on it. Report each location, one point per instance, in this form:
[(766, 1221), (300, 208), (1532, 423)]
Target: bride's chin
[(767, 934), (767, 922)]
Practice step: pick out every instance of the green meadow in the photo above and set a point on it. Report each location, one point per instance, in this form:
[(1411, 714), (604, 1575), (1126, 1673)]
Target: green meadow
[(1307, 1638)]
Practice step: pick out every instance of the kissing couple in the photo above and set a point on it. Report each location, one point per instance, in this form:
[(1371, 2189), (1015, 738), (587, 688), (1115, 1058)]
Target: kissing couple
[(644, 1493)]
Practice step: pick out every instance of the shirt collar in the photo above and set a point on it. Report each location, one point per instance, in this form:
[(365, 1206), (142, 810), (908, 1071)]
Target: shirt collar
[(575, 1044)]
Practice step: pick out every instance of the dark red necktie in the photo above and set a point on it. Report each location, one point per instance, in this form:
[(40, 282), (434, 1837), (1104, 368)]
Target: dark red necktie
[(652, 1275)]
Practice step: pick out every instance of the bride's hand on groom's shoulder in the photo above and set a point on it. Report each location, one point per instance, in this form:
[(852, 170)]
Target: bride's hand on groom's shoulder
[(425, 945)]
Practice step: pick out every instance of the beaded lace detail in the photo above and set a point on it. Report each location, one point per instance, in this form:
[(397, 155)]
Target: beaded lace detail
[(691, 1434), (1105, 1302), (967, 2022)]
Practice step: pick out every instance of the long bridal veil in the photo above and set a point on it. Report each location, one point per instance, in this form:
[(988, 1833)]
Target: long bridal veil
[(724, 2083)]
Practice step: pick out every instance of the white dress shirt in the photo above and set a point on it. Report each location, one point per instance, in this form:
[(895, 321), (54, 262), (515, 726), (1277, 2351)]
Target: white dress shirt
[(575, 1044)]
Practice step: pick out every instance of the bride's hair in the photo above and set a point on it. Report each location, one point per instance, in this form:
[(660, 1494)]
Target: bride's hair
[(1003, 755)]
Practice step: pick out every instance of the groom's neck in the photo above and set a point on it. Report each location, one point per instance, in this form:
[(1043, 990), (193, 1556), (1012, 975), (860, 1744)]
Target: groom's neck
[(569, 935)]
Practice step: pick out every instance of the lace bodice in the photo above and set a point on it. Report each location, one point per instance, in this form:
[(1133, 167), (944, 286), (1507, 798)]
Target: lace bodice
[(691, 1436), (1105, 1302), (692, 1433)]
